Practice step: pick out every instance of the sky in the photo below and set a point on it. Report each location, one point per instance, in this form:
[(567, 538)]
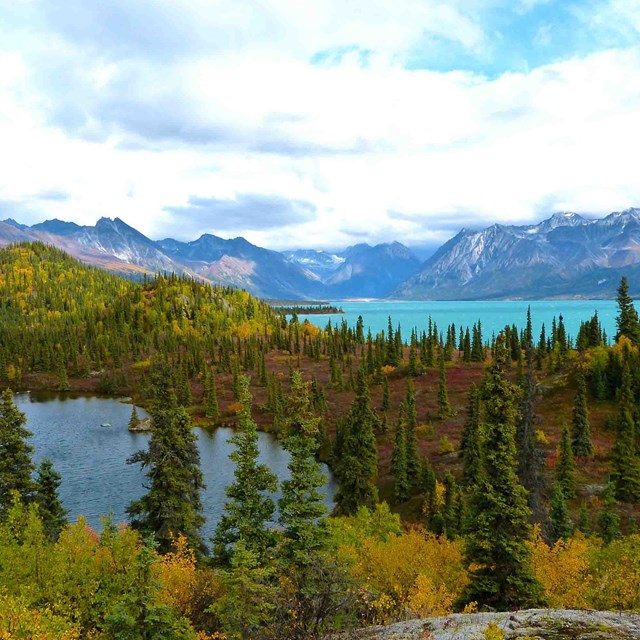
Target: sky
[(320, 123)]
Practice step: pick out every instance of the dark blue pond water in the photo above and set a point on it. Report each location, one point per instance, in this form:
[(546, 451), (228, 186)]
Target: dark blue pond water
[(92, 459)]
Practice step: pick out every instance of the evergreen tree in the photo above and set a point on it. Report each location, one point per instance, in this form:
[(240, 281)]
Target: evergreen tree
[(477, 349), (444, 408), (609, 520), (172, 504), (211, 408), (561, 525), (452, 511), (471, 445), (626, 462), (531, 456), (627, 320), (399, 460), (583, 521), (392, 357), (50, 509), (134, 420), (413, 362), (581, 434), (301, 505), (411, 425), (386, 395), (496, 547), (566, 466), (16, 466), (183, 387), (356, 464), (247, 511)]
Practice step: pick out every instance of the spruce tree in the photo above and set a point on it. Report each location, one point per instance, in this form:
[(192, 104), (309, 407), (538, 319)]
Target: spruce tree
[(626, 462), (583, 521), (134, 420), (452, 511), (172, 504), (627, 320), (444, 408), (356, 464), (50, 508), (386, 395), (211, 408), (247, 511), (301, 506), (411, 425), (566, 466), (531, 456), (399, 459), (561, 525), (581, 434), (183, 386), (501, 575), (609, 520), (16, 466), (471, 445)]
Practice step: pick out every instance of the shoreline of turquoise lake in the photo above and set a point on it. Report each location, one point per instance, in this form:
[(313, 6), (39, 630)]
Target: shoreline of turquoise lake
[(494, 315)]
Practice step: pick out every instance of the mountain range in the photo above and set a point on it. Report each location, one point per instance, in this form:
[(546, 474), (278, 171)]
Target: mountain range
[(565, 255)]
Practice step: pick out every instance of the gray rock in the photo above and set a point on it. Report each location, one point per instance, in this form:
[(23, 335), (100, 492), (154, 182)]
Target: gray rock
[(541, 624)]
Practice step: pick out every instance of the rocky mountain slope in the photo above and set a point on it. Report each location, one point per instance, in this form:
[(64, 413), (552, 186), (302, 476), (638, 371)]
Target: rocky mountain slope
[(366, 270), (564, 256), (361, 271)]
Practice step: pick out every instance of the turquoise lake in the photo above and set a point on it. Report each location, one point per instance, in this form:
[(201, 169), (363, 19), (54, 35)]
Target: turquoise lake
[(494, 315)]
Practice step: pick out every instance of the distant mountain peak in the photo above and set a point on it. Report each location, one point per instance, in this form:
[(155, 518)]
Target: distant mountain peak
[(57, 227), (16, 225), (564, 255)]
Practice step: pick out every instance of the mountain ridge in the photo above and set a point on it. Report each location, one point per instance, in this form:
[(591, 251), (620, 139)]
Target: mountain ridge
[(563, 256), (118, 247)]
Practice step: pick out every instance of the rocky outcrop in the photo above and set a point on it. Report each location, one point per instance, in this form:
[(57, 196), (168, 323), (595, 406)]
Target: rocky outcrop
[(538, 624)]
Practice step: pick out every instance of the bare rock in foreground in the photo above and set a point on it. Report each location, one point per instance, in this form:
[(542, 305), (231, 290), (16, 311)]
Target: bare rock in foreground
[(533, 624)]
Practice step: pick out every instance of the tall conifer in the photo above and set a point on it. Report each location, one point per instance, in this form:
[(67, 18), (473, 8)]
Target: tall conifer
[(356, 464), (248, 510), (581, 433), (16, 465), (566, 466), (172, 504), (496, 547)]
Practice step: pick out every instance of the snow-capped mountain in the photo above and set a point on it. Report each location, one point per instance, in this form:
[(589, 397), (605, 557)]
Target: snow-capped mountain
[(319, 263), (566, 255)]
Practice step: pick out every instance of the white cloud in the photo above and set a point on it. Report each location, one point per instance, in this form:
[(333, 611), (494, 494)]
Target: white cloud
[(130, 130)]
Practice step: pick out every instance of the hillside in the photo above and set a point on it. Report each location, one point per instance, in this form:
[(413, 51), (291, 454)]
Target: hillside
[(397, 546), (113, 245), (58, 315)]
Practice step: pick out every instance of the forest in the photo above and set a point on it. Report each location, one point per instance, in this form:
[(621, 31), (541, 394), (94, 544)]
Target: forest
[(474, 472)]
